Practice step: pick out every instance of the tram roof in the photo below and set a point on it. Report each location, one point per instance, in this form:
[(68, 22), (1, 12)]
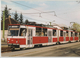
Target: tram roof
[(44, 26)]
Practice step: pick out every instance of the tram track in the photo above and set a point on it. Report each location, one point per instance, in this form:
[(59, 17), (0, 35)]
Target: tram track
[(5, 49)]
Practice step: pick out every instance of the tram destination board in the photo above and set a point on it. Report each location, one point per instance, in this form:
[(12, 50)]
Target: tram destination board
[(14, 26)]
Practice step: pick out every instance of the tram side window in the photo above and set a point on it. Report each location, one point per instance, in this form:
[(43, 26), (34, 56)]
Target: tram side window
[(38, 31), (61, 33), (76, 34), (54, 32), (44, 33), (22, 32), (67, 33), (71, 34)]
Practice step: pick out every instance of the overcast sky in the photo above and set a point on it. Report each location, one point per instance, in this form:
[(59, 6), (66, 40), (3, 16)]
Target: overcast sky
[(66, 11)]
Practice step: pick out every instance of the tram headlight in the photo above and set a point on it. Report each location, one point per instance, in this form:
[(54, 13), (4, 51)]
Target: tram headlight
[(8, 41), (8, 38)]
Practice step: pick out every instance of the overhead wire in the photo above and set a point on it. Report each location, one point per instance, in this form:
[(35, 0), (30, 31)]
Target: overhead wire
[(38, 16), (42, 16), (30, 7), (34, 9), (24, 5), (34, 15)]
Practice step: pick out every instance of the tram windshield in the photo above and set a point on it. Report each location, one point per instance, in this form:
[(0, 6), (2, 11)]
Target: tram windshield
[(13, 32)]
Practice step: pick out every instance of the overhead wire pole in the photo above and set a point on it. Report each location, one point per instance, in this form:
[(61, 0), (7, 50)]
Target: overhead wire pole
[(71, 22)]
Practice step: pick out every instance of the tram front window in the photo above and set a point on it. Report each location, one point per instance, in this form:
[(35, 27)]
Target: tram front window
[(22, 32), (13, 32)]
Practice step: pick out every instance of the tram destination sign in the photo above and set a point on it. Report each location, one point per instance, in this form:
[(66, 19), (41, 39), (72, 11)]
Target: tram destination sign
[(13, 26)]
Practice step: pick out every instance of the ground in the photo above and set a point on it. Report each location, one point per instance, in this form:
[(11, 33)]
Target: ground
[(63, 50)]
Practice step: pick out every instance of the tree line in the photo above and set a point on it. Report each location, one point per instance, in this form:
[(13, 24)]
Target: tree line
[(16, 17)]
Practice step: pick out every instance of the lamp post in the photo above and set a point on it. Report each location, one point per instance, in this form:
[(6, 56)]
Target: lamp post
[(3, 25)]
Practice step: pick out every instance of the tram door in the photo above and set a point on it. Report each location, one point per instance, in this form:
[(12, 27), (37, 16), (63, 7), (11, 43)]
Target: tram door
[(49, 36), (73, 35), (64, 34), (30, 34)]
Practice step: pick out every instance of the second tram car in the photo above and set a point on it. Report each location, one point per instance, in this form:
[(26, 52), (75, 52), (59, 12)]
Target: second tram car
[(27, 36)]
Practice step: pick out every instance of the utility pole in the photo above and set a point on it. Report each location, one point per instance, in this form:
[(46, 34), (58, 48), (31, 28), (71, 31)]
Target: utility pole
[(72, 22), (3, 25), (50, 23)]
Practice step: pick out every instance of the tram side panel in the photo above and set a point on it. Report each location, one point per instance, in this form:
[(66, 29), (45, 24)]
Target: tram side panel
[(55, 34), (67, 35), (76, 38), (40, 36), (71, 36), (61, 38), (40, 40)]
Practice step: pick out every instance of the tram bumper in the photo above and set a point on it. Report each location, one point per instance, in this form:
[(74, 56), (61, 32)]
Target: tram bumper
[(14, 45)]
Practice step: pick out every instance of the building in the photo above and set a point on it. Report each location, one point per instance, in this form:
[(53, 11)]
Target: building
[(7, 22)]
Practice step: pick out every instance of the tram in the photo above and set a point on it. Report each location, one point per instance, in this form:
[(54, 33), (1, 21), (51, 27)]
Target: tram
[(27, 36)]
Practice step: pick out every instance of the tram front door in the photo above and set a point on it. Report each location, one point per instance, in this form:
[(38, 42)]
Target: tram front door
[(49, 36), (64, 34), (30, 34)]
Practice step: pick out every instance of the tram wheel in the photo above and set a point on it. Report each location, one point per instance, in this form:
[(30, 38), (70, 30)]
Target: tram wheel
[(69, 41), (57, 43), (21, 48), (40, 45), (76, 41), (13, 48)]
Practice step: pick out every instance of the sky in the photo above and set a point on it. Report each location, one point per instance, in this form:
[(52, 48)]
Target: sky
[(66, 10)]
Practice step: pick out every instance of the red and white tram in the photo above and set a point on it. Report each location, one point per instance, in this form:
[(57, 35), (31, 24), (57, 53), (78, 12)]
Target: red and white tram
[(26, 36)]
